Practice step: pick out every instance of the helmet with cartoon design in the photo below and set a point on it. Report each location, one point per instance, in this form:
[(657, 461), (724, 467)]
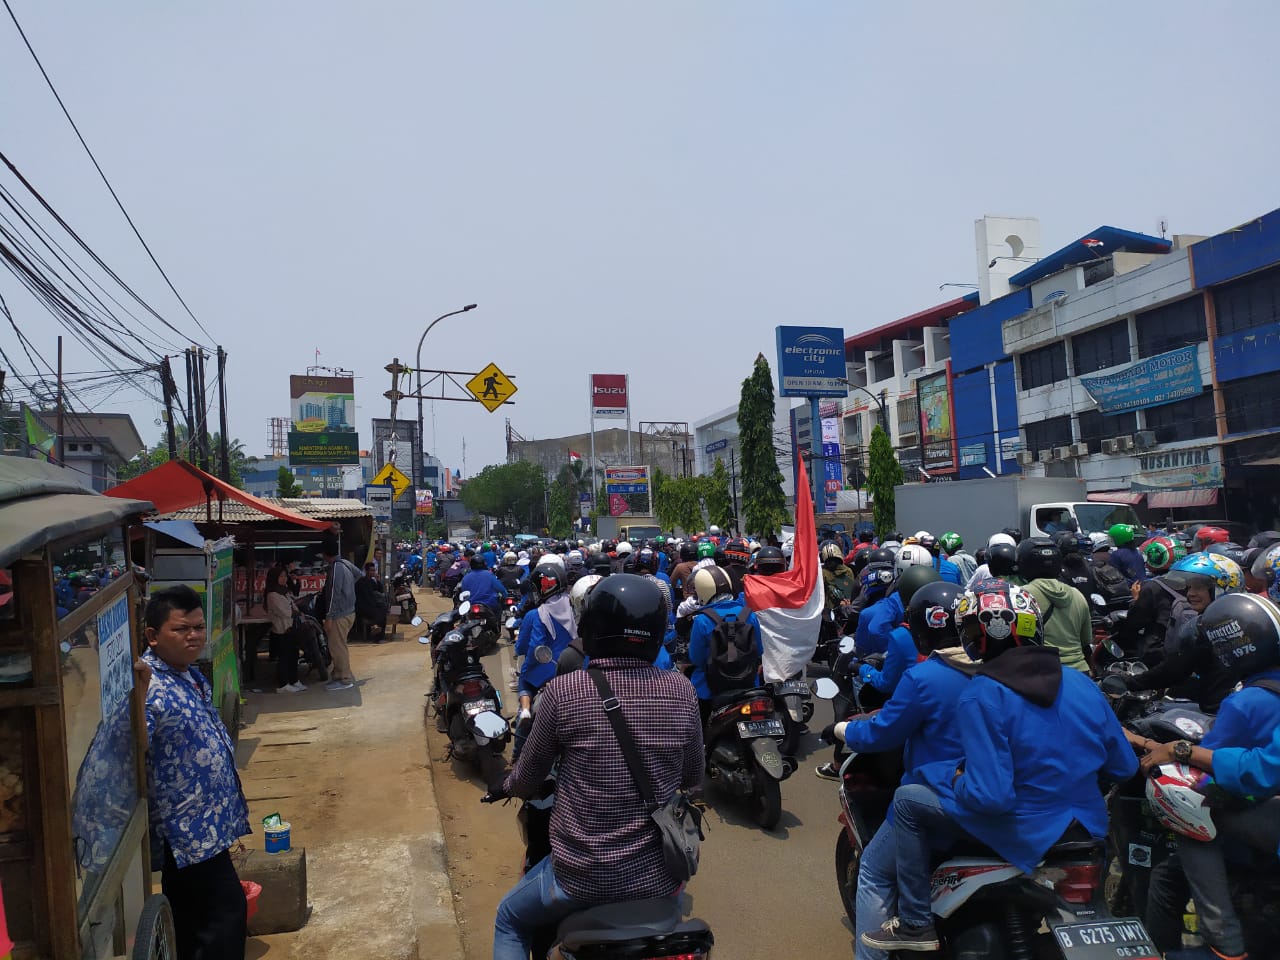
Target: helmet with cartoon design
[(1223, 575), (1267, 569), (996, 616), (931, 616), (877, 578), (1161, 552)]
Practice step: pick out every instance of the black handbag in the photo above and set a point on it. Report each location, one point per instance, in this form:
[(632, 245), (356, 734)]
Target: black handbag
[(679, 822)]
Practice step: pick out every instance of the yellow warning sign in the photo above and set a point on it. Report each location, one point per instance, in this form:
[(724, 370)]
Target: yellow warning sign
[(390, 476), (491, 387)]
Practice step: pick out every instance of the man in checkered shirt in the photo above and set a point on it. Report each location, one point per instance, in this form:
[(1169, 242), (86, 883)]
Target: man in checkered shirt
[(604, 846)]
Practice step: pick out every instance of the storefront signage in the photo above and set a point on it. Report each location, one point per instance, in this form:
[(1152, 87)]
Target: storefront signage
[(115, 658), (833, 470), (811, 362), (1189, 469), (716, 445), (609, 396), (934, 400), (1152, 382)]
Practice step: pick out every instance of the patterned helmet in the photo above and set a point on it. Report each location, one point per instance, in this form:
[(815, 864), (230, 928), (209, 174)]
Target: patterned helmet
[(951, 542), (1161, 553), (878, 577), (831, 552), (1224, 575), (1267, 569), (706, 549), (736, 550), (996, 616)]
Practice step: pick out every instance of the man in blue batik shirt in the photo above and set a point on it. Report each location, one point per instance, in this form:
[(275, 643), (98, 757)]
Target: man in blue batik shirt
[(197, 805)]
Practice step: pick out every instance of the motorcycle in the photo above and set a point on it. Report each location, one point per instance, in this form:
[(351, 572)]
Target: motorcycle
[(510, 604), (836, 625), (466, 704), (982, 905), (742, 751), (402, 591), (793, 702)]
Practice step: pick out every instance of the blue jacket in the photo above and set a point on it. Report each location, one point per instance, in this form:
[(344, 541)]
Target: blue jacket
[(664, 562), (919, 717), (490, 559), (485, 588), (700, 641), (1129, 562), (875, 625), (947, 570), (532, 673), (1254, 771), (901, 656), (524, 632), (1029, 770), (1247, 718)]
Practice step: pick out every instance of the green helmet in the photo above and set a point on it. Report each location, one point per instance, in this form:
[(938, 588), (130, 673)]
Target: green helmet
[(659, 540), (950, 541), (706, 549), (1121, 533)]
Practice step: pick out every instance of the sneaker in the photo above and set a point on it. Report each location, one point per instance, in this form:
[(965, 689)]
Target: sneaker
[(339, 685), (828, 771), (895, 935), (298, 686), (287, 688)]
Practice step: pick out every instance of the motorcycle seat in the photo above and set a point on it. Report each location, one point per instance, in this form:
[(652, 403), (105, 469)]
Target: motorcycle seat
[(628, 920), (733, 696), (1074, 841)]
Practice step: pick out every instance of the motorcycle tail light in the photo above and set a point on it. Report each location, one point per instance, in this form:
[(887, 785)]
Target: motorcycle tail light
[(1079, 882), (756, 707), (472, 688)]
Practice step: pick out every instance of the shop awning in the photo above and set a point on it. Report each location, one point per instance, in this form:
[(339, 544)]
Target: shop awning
[(1115, 496), (1167, 499), (177, 485)]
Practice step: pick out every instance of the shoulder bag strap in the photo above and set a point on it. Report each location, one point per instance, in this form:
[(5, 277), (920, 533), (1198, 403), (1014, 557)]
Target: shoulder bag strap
[(1266, 683), (612, 710)]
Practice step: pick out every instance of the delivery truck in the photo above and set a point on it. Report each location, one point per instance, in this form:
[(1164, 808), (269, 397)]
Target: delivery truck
[(975, 509)]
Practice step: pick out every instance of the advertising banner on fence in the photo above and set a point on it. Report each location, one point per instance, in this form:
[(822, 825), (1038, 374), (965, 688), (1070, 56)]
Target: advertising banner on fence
[(323, 415), (811, 362), (935, 422), (1152, 382), (609, 396), (424, 504)]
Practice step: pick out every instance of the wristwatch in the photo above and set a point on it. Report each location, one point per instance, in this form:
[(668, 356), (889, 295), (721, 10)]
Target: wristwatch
[(1182, 751)]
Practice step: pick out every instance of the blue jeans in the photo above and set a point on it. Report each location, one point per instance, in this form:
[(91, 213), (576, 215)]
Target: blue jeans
[(535, 902), (877, 891), (920, 827)]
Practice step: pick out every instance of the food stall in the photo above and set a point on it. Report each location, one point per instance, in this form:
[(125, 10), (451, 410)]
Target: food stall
[(74, 853)]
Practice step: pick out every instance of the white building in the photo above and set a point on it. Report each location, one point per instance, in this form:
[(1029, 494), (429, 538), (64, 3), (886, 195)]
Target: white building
[(716, 437)]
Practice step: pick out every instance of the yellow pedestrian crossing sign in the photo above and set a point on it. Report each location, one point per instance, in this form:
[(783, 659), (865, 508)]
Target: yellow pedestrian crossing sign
[(491, 387), (390, 476)]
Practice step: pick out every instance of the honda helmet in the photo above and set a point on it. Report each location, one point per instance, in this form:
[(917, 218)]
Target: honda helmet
[(1177, 804), (624, 616), (1002, 560), (913, 555), (931, 616), (1244, 631), (996, 616)]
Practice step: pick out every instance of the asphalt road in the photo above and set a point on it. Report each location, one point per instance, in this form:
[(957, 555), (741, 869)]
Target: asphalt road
[(765, 894)]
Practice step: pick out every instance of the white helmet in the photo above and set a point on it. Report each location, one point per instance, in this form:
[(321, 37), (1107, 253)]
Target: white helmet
[(581, 587), (921, 534), (893, 545), (714, 531), (509, 557), (581, 543), (913, 555), (1101, 541), (1178, 805), (753, 545), (552, 558), (624, 548)]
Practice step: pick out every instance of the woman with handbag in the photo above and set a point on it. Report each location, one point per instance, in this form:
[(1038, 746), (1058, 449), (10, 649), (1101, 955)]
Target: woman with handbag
[(283, 639), (628, 738)]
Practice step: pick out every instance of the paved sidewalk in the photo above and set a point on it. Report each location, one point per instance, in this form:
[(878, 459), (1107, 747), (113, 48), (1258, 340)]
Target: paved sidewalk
[(351, 771)]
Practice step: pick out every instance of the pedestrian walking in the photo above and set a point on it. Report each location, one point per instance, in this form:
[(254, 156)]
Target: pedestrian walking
[(338, 601), (197, 805)]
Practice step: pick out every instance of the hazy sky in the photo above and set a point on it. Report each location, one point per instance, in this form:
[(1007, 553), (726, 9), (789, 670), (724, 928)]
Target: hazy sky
[(644, 188)]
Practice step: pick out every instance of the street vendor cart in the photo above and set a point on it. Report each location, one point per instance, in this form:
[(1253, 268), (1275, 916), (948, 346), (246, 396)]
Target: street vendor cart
[(74, 853)]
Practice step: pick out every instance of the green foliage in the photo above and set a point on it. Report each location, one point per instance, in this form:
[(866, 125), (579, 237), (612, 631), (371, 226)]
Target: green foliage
[(286, 485), (513, 492), (764, 504), (883, 474), (678, 502), (152, 457), (719, 500), (560, 519)]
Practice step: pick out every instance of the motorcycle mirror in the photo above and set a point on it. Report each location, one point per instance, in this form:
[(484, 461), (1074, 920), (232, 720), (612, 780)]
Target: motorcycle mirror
[(846, 645), (416, 622), (424, 639), (542, 653), (464, 608), (464, 595), (1097, 599), (1115, 649), (511, 623), (1113, 686), (824, 688), (1137, 667), (490, 725)]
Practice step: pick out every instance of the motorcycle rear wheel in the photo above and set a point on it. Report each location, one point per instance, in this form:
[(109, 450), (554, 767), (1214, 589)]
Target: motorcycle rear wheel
[(766, 799), (848, 863)]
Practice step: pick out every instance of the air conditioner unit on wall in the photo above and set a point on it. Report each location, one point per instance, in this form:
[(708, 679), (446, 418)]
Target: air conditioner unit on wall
[(1126, 443), (1111, 445), (1044, 456), (1025, 458), (1145, 439), (1062, 453), (1079, 449)]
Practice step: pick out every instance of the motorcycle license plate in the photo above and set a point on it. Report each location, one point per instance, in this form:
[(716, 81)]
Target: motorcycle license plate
[(760, 728), (1123, 939), (479, 706), (793, 688)]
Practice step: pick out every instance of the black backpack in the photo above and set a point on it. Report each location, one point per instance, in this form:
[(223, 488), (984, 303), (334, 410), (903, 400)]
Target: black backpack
[(1111, 583), (735, 659)]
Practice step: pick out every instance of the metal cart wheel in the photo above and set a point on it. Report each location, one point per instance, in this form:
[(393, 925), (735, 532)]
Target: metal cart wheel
[(155, 939)]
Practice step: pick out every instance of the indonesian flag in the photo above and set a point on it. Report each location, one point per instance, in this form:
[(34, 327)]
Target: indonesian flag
[(1092, 242), (789, 605), (574, 456)]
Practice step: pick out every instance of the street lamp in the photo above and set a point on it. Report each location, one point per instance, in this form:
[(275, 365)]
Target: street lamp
[(417, 364), (879, 401)]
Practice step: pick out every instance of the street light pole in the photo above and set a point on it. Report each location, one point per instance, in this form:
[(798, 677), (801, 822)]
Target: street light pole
[(879, 401), (417, 364)]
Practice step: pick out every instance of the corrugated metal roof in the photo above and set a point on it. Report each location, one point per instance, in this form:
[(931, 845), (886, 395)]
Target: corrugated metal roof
[(232, 511)]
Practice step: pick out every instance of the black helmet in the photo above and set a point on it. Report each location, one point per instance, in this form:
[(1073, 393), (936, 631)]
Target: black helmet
[(996, 616), (1039, 558), (550, 579), (647, 559), (1067, 542), (1244, 631), (867, 536), (860, 561), (770, 561), (624, 616), (931, 615), (477, 562), (736, 551), (1013, 532), (1002, 560), (913, 578), (881, 555), (688, 550)]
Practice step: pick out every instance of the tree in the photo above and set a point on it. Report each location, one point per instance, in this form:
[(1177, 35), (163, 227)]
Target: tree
[(286, 485), (559, 518), (764, 504), (675, 503), (716, 493), (509, 491), (152, 457), (883, 474)]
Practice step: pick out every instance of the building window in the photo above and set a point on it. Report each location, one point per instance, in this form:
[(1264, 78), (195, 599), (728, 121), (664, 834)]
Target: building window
[(1098, 349), (1047, 434), (1043, 366), (908, 421), (1251, 302), (1171, 326), (1252, 403), (73, 446), (1189, 419), (880, 367), (1096, 427)]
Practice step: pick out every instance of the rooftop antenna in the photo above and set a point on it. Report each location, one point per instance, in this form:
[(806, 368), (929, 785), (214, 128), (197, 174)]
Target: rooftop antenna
[(1164, 227)]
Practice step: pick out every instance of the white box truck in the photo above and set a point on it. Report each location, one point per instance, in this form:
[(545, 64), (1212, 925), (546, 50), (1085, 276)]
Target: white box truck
[(975, 509)]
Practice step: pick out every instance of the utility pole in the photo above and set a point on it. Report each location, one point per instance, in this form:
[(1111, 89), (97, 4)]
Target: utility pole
[(58, 439), (224, 446), (202, 418), (169, 389)]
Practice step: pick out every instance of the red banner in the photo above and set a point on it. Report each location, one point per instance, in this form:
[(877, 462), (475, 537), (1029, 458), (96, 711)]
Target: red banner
[(609, 395)]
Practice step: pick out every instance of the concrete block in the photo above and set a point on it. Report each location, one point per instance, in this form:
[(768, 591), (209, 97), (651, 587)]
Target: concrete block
[(282, 907)]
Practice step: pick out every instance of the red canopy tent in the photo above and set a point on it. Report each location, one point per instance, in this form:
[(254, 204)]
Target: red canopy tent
[(177, 485)]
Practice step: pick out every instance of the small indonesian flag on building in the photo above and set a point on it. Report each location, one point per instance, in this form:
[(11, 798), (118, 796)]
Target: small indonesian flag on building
[(1092, 242), (574, 456)]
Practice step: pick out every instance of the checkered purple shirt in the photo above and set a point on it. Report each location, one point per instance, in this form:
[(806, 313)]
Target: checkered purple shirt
[(603, 843)]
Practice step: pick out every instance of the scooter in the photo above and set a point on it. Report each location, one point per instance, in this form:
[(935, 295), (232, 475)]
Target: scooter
[(402, 590), (984, 906), (793, 702), (742, 751), (467, 706)]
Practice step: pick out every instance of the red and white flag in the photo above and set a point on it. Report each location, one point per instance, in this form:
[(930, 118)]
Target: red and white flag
[(1091, 242), (574, 456), (789, 605)]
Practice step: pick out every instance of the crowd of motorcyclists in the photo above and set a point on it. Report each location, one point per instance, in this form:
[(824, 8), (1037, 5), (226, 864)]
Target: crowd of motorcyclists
[(986, 670)]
